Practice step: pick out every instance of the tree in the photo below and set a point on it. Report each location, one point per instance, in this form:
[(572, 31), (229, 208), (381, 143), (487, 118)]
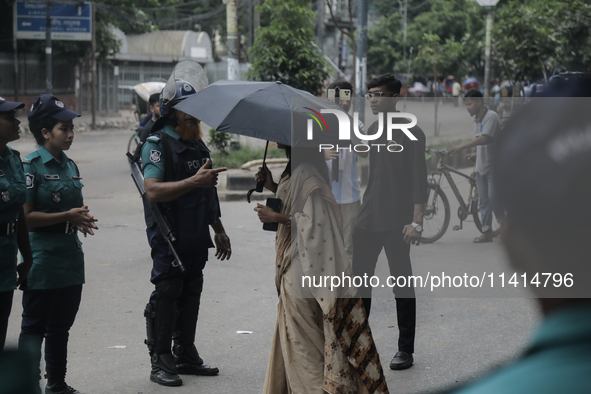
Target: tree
[(349, 34), (462, 21), (285, 51), (437, 54), (534, 38)]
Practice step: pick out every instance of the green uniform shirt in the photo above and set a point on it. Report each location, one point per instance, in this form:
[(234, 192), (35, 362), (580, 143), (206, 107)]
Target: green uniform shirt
[(12, 197), (151, 155), (557, 360), (52, 186)]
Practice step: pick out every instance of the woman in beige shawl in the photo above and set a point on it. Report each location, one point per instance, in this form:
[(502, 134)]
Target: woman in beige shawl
[(322, 340)]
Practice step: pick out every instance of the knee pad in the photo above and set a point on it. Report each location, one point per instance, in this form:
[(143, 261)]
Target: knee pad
[(170, 289)]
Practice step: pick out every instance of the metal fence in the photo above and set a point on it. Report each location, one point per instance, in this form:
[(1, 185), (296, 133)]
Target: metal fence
[(138, 72), (113, 91), (31, 68)]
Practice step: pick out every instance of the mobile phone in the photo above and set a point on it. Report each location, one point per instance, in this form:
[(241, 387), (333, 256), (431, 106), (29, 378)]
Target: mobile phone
[(274, 204), (338, 93)]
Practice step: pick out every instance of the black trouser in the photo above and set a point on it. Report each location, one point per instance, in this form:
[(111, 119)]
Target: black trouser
[(367, 247), (177, 296), (49, 314), (5, 308)]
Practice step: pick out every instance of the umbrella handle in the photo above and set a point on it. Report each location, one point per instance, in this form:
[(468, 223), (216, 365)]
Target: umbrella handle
[(260, 185)]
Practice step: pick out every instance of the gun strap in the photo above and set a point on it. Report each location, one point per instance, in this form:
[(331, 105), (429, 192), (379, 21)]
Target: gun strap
[(168, 160)]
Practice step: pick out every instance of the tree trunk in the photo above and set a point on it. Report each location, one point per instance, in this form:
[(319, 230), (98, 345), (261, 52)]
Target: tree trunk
[(435, 129)]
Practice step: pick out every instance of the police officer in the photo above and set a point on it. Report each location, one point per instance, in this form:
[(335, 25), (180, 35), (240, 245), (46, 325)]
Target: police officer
[(55, 212), (14, 234), (178, 177)]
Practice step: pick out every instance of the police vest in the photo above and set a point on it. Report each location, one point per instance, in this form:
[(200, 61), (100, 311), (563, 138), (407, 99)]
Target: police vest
[(191, 214)]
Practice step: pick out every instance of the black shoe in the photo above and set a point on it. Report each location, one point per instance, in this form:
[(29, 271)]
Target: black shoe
[(60, 388), (164, 371), (401, 360), (194, 369), (188, 361), (164, 378)]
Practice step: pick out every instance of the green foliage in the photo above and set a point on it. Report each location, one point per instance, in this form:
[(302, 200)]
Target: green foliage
[(436, 54), (219, 140), (382, 58), (461, 21), (236, 158), (284, 50), (535, 38)]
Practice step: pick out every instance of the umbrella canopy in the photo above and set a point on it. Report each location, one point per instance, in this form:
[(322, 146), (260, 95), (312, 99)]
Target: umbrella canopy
[(264, 110), (470, 80), (146, 89)]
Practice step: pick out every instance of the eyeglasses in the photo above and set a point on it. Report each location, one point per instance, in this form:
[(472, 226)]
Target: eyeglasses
[(370, 95)]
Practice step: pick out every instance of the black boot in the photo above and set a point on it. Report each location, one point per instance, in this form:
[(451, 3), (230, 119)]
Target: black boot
[(60, 388), (188, 361), (164, 371)]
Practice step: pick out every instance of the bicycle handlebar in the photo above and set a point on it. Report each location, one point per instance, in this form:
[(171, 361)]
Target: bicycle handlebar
[(441, 152)]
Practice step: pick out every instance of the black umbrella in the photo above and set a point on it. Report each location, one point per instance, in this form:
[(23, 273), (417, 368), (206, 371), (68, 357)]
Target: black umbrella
[(270, 111)]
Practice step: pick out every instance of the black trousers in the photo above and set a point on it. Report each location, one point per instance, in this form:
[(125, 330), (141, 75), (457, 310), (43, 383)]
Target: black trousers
[(367, 247), (5, 308), (177, 296), (49, 314)]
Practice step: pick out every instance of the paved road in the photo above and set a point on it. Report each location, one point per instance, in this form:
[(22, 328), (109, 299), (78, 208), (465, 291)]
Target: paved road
[(457, 338)]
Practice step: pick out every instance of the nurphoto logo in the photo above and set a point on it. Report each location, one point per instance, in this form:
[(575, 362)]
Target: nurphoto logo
[(345, 129)]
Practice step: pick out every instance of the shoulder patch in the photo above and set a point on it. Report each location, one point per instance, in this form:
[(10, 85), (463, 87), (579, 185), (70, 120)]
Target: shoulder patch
[(155, 156), (30, 180)]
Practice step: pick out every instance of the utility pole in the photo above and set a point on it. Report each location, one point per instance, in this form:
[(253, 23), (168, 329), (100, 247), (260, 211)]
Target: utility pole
[(15, 48), (488, 6), (48, 70), (93, 76), (256, 18), (250, 22), (361, 63), (487, 48), (232, 41), (403, 13), (320, 25)]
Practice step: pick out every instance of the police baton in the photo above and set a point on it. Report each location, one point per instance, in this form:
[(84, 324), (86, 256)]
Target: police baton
[(161, 221)]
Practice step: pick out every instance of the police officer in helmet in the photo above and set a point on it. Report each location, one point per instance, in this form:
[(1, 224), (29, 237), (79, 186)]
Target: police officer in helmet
[(179, 178)]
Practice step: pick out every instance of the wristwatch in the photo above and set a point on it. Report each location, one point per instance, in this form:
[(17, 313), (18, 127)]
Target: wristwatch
[(417, 227)]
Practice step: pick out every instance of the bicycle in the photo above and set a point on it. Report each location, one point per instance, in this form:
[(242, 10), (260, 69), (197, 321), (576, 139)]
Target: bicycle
[(134, 141), (437, 210)]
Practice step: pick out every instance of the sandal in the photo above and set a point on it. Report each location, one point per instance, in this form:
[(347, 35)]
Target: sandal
[(485, 237)]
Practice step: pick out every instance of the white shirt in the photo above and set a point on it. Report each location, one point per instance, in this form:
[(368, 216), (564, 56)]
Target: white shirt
[(346, 190)]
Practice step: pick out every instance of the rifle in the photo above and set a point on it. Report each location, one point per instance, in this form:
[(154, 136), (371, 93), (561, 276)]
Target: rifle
[(161, 221)]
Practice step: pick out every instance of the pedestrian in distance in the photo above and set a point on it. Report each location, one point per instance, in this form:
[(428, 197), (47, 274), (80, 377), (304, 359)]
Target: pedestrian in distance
[(178, 178), (391, 214), (14, 233), (154, 103), (55, 212), (486, 126)]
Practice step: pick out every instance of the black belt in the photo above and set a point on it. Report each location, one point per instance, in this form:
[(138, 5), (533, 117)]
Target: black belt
[(8, 228), (60, 228)]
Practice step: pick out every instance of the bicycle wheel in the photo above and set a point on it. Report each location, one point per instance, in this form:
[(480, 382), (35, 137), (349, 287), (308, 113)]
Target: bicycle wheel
[(133, 143), (437, 215)]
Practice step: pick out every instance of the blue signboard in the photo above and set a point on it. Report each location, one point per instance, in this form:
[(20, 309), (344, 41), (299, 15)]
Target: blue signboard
[(68, 21)]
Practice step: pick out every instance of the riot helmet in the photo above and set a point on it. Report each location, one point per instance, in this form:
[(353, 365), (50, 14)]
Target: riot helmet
[(187, 78)]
